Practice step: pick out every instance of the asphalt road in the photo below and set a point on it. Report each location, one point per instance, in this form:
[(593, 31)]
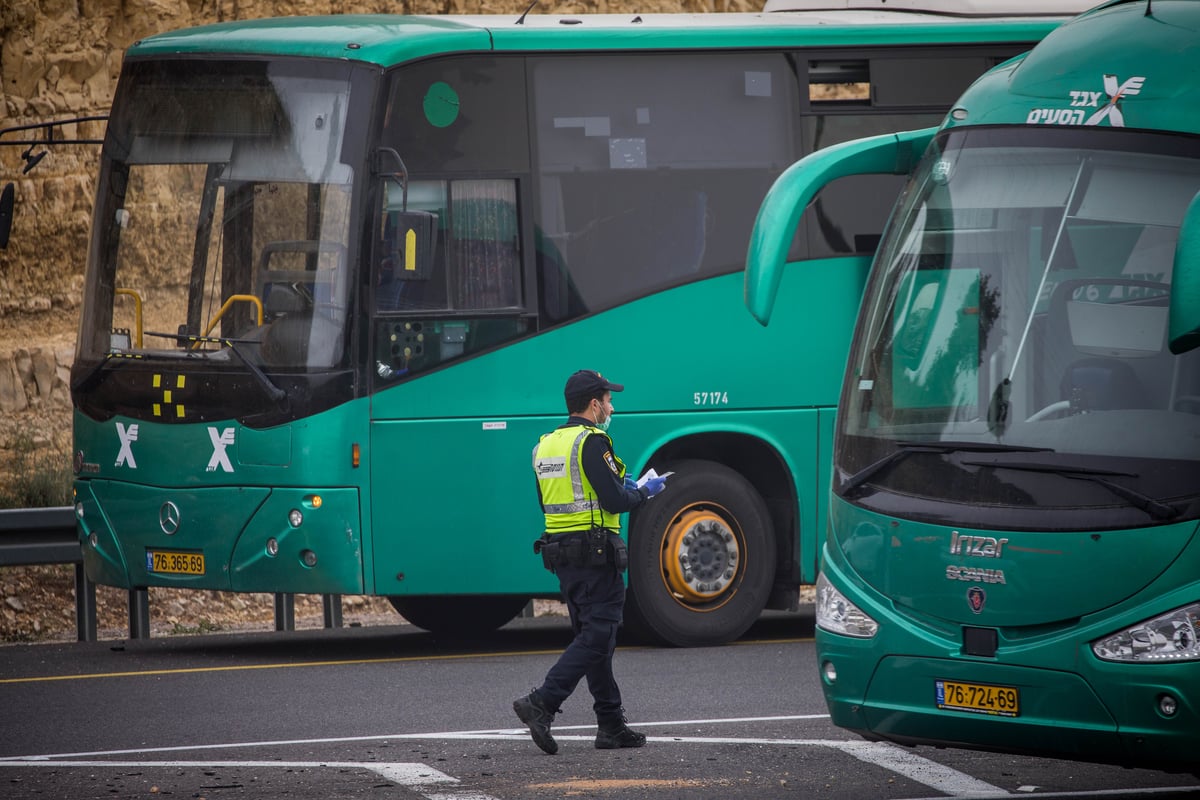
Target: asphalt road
[(389, 712)]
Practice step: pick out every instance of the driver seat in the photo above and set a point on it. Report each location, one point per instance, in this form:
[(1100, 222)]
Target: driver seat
[(1102, 384)]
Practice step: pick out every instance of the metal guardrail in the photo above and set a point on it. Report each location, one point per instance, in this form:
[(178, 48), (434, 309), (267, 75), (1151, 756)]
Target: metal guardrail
[(31, 536), (47, 536)]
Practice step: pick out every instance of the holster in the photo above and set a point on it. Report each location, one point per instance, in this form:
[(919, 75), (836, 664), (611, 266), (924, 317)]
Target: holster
[(619, 553), (550, 550)]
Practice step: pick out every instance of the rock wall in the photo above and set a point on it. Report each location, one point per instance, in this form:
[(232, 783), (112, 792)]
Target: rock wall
[(35, 412), (36, 378)]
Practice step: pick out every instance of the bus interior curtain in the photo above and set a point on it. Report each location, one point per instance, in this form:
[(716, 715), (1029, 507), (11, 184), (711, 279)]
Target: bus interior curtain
[(484, 216)]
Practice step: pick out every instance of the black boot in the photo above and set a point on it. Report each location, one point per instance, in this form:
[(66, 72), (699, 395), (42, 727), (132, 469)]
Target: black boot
[(534, 713), (614, 733)]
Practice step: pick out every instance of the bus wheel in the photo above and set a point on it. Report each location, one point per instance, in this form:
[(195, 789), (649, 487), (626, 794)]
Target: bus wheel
[(461, 616), (701, 558)]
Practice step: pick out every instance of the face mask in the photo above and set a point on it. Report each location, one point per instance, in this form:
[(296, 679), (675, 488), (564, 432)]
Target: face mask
[(603, 424)]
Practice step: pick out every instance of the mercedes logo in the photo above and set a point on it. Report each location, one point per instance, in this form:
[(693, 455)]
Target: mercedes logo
[(168, 518)]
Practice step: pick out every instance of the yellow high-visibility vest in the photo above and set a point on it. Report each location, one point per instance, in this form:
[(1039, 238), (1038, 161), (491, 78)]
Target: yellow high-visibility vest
[(568, 499)]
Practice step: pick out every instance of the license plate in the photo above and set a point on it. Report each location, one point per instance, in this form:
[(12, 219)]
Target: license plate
[(980, 698), (175, 562)]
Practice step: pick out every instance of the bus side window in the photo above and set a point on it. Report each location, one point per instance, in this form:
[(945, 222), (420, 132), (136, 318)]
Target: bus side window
[(847, 217), (477, 263), (558, 297)]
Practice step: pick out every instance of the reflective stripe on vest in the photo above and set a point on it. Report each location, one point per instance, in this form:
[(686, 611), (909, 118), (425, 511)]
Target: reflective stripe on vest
[(568, 498)]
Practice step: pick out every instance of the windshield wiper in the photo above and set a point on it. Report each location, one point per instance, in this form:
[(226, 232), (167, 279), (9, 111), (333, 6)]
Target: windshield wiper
[(905, 449), (277, 395), (1155, 509)]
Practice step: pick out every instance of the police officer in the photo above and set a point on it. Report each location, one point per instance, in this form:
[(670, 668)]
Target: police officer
[(583, 491)]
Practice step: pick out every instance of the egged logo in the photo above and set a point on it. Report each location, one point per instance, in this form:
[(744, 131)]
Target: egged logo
[(1082, 99), (1115, 92)]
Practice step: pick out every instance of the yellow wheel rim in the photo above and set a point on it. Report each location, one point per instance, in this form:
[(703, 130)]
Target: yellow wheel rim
[(700, 556)]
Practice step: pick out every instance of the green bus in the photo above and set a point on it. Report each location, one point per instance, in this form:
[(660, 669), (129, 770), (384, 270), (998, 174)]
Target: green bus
[(1012, 560), (340, 268)]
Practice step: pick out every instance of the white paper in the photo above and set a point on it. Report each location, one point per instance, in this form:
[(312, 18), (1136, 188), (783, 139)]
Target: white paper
[(650, 473)]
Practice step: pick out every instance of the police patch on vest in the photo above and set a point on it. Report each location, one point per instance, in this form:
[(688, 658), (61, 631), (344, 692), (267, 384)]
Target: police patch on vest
[(547, 468), (612, 464)]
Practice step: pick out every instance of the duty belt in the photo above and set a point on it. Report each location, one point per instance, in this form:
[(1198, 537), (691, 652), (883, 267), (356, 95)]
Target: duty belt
[(593, 548)]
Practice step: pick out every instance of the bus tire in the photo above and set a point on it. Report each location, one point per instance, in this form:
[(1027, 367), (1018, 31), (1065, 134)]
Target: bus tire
[(701, 558), (459, 616)]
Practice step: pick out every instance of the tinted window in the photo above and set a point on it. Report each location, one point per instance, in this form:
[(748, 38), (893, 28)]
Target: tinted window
[(652, 168), (848, 215), (457, 115)]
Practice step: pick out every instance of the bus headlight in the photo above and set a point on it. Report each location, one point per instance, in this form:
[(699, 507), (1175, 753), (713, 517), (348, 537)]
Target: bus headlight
[(838, 615), (1169, 637)]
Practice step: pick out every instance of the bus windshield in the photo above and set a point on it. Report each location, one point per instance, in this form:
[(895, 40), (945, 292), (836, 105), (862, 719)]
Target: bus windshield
[(223, 216), (1017, 324)]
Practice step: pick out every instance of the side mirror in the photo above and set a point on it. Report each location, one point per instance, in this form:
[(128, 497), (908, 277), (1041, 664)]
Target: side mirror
[(409, 236), (7, 202), (412, 238), (1183, 333)]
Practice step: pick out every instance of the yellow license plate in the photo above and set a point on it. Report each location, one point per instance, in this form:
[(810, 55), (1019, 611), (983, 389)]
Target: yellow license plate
[(980, 698), (175, 562)]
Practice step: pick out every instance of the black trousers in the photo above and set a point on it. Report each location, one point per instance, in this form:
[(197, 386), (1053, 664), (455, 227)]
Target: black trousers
[(595, 598)]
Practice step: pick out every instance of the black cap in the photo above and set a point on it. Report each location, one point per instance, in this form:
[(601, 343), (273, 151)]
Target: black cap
[(587, 383)]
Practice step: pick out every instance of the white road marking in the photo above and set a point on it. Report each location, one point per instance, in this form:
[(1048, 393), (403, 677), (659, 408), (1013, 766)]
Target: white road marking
[(886, 756), (922, 770), (414, 776), (431, 783), (487, 733)]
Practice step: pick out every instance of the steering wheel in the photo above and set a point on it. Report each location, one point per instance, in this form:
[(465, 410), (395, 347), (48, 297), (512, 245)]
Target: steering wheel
[(1056, 409)]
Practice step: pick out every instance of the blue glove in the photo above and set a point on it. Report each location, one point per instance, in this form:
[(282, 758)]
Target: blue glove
[(655, 485), (631, 484)]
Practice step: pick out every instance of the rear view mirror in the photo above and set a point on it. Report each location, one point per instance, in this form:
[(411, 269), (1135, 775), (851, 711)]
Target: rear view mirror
[(6, 214), (1184, 330)]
